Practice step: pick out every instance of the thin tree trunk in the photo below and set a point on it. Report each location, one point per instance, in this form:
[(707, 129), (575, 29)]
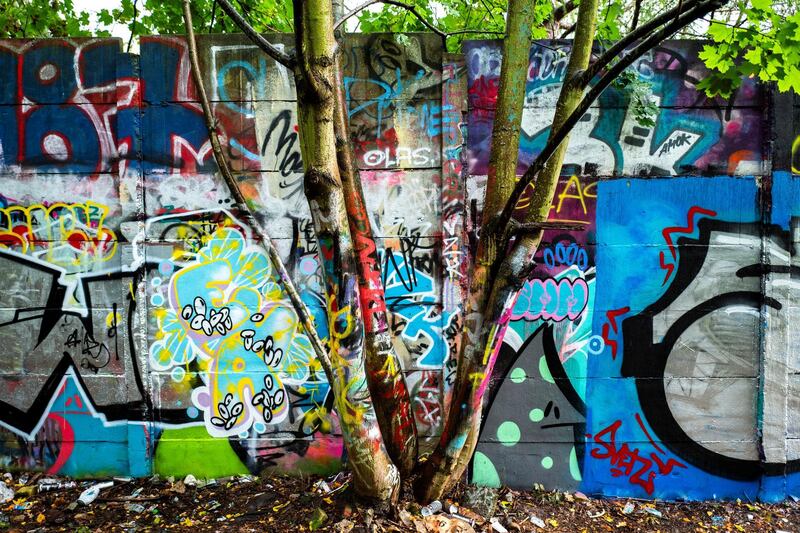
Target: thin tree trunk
[(245, 212), (516, 265), (384, 372), (374, 474), (444, 468)]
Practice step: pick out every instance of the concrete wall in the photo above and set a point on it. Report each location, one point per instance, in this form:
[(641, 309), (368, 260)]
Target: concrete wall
[(652, 355)]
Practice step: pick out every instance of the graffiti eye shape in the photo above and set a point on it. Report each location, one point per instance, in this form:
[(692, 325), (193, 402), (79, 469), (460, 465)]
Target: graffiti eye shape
[(223, 410), (258, 398), (269, 343), (200, 306), (258, 317), (237, 409), (247, 333), (221, 329), (228, 398), (214, 318), (217, 421), (257, 347), (187, 312), (228, 323), (267, 415), (268, 382), (197, 322), (279, 397), (248, 343), (207, 329), (278, 356), (230, 423)]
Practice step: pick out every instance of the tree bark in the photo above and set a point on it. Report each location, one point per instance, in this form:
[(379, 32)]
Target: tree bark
[(374, 475), (384, 371), (482, 329)]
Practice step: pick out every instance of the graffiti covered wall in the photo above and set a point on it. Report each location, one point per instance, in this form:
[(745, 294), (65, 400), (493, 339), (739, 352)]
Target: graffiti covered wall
[(141, 318), (651, 353)]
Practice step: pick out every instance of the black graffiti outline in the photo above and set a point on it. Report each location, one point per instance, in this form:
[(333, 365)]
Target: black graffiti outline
[(648, 371)]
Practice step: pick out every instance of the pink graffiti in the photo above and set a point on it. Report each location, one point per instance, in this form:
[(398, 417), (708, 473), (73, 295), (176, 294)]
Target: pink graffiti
[(551, 299)]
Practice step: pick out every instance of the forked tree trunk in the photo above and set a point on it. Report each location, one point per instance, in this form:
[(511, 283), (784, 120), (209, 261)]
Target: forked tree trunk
[(384, 372), (374, 474), (499, 273)]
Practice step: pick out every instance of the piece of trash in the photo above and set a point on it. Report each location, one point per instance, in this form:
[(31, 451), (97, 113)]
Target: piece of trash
[(190, 481), (28, 490), (6, 492), (247, 478), (497, 526), (463, 518), (629, 507), (49, 484), (581, 496), (22, 505), (213, 504), (717, 520), (654, 512), (137, 508), (90, 494), (321, 486), (538, 522), (123, 479), (432, 508), (453, 509), (136, 492), (597, 515), (317, 519)]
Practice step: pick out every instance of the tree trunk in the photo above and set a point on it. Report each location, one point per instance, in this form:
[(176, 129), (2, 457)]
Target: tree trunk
[(374, 475), (384, 372), (481, 329)]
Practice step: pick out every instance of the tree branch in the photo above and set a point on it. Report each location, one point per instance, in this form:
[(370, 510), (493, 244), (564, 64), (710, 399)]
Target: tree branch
[(270, 49), (699, 10), (408, 7), (266, 242), (563, 10), (642, 31)]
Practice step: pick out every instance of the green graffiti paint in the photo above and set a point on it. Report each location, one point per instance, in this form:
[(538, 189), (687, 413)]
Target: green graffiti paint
[(536, 415), (193, 451), (517, 375), (574, 467), (547, 462), (508, 433), (545, 371), (484, 472)]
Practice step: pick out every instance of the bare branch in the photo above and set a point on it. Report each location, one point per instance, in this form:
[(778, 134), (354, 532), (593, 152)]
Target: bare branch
[(244, 209), (563, 10), (530, 227), (637, 8), (642, 31), (461, 32), (270, 49), (699, 9), (408, 7)]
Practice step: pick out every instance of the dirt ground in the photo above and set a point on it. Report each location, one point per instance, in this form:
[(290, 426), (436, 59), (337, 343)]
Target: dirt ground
[(282, 504)]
